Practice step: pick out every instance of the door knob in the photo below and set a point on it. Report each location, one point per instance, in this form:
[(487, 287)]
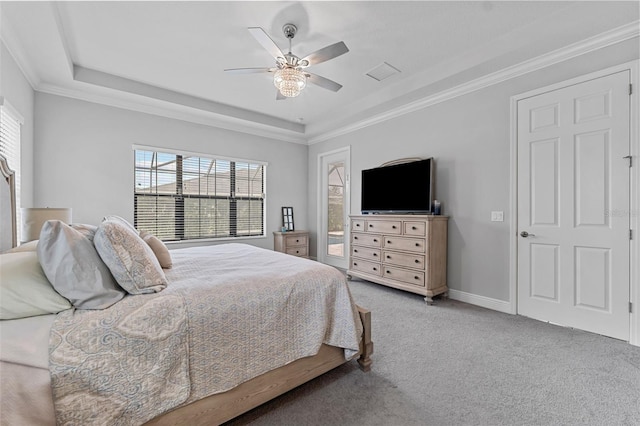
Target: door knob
[(525, 234)]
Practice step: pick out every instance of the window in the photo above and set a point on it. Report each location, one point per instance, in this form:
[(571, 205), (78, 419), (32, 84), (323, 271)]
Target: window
[(180, 196), (10, 122)]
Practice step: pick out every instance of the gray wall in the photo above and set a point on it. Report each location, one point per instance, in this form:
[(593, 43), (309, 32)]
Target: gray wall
[(84, 159), (17, 90), (469, 138)]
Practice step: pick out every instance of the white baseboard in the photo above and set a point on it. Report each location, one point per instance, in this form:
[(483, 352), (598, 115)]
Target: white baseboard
[(485, 302)]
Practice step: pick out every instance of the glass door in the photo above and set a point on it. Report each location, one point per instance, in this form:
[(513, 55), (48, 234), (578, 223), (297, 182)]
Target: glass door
[(334, 181)]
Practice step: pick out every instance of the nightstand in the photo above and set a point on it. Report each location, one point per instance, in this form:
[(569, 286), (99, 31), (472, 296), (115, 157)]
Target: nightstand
[(295, 243)]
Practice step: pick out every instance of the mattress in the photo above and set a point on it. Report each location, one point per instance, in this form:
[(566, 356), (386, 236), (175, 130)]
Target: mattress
[(25, 388)]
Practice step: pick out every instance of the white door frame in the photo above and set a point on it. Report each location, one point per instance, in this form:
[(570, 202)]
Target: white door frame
[(320, 249), (634, 67)]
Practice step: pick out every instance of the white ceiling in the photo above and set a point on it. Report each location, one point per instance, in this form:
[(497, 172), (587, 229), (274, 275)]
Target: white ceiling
[(171, 55)]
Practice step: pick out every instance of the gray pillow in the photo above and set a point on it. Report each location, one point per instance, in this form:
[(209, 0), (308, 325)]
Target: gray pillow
[(129, 258), (88, 231), (74, 268)]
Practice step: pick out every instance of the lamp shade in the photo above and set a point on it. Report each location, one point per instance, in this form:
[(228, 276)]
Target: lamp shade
[(34, 218)]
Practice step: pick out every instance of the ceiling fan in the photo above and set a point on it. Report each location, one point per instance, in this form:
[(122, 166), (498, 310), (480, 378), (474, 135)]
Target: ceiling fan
[(290, 76)]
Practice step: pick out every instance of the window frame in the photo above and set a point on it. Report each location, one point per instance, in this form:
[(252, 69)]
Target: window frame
[(233, 199)]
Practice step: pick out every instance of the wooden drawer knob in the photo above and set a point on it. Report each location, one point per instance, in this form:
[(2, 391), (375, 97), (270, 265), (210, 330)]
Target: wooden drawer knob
[(417, 244), (375, 240), (388, 257), (370, 225), (388, 272), (414, 228), (416, 277), (375, 269), (357, 225), (355, 264), (355, 238), (375, 254), (297, 241), (417, 261), (356, 250), (393, 227), (388, 242)]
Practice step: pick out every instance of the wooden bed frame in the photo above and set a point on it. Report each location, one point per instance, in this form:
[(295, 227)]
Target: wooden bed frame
[(222, 407)]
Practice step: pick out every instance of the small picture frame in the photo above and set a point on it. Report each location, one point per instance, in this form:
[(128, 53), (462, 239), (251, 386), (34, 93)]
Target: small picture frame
[(287, 219)]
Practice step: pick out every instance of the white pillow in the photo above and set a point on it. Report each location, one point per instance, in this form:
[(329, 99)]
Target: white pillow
[(75, 269), (30, 246), (159, 249), (24, 289), (130, 260)]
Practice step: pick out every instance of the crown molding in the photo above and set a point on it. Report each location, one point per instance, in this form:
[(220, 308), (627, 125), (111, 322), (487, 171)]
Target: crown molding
[(608, 38), (16, 50), (174, 111)]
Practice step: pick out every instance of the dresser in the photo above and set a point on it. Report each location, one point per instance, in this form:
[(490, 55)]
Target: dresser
[(295, 243), (408, 252)]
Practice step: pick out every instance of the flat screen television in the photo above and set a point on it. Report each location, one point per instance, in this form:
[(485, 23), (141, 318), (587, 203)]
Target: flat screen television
[(400, 188)]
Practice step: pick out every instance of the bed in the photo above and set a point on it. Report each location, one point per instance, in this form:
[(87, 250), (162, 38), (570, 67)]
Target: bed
[(259, 325)]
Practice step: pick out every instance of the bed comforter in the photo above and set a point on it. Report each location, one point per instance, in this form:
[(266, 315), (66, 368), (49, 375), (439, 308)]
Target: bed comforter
[(230, 313)]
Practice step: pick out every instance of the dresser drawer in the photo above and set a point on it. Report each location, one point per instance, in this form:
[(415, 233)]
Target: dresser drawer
[(404, 275), (405, 244), (401, 259), (293, 240), (418, 229), (366, 240), (366, 253), (357, 225), (366, 267), (384, 226)]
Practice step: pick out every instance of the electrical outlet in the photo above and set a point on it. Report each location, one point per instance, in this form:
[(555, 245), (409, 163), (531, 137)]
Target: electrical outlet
[(497, 216)]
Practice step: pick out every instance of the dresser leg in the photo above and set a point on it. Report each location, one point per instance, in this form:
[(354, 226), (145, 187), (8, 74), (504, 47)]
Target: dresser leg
[(429, 300), (348, 277)]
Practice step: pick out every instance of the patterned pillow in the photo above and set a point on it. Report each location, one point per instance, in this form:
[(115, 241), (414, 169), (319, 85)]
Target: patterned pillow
[(72, 265), (129, 258), (159, 249)]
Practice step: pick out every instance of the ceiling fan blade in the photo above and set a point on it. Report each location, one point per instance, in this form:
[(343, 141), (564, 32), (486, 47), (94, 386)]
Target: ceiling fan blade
[(325, 83), (266, 42), (326, 53), (248, 70)]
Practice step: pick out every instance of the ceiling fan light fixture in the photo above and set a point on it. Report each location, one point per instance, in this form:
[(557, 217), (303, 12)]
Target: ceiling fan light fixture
[(289, 81)]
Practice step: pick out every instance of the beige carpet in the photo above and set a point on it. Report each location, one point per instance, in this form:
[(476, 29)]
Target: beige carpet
[(457, 364)]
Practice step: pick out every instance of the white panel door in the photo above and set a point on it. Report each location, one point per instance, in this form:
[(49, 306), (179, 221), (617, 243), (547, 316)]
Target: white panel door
[(574, 204)]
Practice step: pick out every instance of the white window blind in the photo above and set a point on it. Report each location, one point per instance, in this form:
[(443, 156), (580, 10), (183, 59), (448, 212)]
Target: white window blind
[(10, 122), (187, 197)]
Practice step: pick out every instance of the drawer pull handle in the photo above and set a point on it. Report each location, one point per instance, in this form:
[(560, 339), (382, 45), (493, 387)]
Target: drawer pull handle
[(417, 244), (355, 238), (370, 225), (355, 264), (297, 241), (375, 269), (414, 228), (357, 225), (375, 240), (297, 252), (355, 251), (388, 242), (417, 261), (416, 277), (393, 227), (388, 272), (388, 257), (375, 254)]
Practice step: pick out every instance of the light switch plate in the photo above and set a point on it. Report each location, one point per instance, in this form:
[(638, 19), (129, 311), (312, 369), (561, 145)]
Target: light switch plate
[(497, 216)]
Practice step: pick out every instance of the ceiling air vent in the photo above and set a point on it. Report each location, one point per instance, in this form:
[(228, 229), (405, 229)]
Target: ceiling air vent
[(383, 71)]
